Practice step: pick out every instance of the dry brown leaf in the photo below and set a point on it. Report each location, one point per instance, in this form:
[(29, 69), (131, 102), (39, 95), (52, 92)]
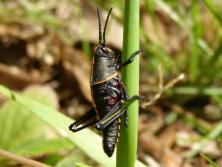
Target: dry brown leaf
[(167, 136), (171, 159), (15, 78), (150, 145), (78, 65)]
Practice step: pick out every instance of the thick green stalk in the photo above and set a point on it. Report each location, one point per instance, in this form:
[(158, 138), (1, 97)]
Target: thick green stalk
[(127, 145)]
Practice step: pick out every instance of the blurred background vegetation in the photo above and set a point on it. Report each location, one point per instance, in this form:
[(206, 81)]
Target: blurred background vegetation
[(45, 53)]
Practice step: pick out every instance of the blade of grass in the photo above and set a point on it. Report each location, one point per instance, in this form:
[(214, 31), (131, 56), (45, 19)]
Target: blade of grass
[(216, 54), (212, 135), (127, 146), (215, 132), (150, 8), (197, 90), (213, 10), (195, 35), (81, 165), (60, 123), (211, 163), (43, 146), (169, 11), (86, 139), (204, 46)]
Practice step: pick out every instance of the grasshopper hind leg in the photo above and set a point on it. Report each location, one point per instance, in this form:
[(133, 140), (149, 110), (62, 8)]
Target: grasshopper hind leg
[(89, 118), (116, 112)]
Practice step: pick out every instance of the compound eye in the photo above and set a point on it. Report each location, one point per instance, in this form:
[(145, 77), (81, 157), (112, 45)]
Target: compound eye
[(105, 50)]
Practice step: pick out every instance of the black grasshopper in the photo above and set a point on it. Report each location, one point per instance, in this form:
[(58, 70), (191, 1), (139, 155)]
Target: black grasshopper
[(110, 100)]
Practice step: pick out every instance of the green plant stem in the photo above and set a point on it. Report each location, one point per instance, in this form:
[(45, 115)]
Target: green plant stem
[(127, 145), (195, 35)]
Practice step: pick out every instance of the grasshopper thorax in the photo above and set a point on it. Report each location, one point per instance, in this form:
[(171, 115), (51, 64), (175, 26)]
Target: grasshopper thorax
[(104, 64)]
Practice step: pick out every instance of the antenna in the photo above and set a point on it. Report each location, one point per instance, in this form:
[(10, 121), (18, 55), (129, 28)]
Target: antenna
[(100, 32), (104, 31)]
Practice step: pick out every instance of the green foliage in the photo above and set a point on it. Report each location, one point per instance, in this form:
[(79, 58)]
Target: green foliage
[(214, 133), (23, 133), (86, 140), (199, 57), (15, 126), (41, 146), (81, 165), (72, 159), (211, 163), (214, 11)]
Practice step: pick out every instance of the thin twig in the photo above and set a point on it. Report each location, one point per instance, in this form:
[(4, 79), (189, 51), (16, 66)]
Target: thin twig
[(174, 81), (163, 88), (21, 160), (160, 69)]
